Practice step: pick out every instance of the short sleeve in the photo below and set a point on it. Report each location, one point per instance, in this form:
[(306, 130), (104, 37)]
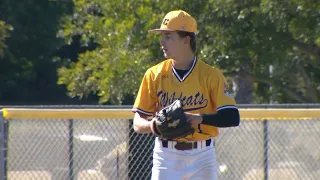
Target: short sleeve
[(224, 96), (146, 101)]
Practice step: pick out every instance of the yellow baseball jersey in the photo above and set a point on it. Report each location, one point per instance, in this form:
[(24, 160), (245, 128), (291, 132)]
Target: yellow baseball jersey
[(203, 89)]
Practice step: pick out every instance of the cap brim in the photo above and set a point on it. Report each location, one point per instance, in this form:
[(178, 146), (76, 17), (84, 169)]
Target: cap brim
[(160, 30)]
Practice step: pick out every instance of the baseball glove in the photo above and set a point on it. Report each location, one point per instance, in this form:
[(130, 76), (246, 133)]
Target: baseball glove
[(171, 122)]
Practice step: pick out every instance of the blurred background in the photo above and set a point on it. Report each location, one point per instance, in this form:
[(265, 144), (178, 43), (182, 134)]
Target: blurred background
[(93, 54), (96, 51)]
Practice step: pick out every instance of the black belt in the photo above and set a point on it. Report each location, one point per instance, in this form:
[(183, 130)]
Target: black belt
[(185, 145)]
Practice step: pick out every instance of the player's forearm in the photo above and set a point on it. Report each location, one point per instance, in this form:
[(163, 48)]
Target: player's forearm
[(141, 124), (228, 117)]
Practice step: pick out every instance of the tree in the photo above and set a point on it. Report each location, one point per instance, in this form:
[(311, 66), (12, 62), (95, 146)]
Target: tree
[(115, 68), (4, 34), (243, 38), (249, 36), (27, 70)]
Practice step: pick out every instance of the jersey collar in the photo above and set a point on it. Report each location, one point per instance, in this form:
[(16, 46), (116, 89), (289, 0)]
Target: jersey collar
[(187, 74)]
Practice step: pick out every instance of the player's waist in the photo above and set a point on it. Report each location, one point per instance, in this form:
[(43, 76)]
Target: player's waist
[(186, 145)]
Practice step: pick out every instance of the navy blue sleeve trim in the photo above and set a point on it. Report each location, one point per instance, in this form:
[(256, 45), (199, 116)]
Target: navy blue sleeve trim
[(142, 111), (226, 106), (225, 117)]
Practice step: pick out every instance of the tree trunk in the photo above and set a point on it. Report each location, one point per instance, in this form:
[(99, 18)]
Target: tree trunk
[(243, 89)]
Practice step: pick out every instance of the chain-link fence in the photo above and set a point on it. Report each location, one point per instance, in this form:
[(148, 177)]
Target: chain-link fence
[(108, 149)]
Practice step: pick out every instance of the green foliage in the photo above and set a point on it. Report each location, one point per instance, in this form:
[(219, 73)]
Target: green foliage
[(4, 34), (114, 69), (241, 37), (27, 72), (249, 36)]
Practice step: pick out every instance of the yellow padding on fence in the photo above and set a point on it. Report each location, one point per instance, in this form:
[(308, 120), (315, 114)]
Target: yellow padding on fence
[(280, 114), (246, 114), (17, 113)]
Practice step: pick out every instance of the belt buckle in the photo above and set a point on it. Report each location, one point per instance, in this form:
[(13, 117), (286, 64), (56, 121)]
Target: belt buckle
[(184, 146)]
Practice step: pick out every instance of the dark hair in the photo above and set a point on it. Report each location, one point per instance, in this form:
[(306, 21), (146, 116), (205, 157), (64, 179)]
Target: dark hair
[(192, 36)]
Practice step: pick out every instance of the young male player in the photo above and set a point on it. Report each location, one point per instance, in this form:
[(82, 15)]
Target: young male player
[(205, 97)]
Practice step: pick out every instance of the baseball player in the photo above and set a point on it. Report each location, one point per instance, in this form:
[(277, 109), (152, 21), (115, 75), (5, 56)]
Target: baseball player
[(206, 101)]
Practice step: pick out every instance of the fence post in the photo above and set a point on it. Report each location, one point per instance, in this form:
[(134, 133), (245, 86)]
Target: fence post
[(71, 170), (265, 149), (3, 149)]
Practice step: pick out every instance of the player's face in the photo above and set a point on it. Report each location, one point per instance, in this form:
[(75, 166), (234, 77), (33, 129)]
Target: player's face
[(172, 44)]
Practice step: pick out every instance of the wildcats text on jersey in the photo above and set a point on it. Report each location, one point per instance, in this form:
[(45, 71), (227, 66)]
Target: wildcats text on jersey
[(196, 101)]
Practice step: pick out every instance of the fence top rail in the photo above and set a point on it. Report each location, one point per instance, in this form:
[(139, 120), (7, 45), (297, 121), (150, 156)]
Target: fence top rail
[(258, 106), (245, 113)]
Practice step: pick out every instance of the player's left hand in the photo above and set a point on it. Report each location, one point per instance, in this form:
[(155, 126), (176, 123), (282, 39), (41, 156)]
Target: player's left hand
[(194, 119), (171, 122)]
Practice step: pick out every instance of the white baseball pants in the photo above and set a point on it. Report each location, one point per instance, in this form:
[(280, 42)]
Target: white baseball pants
[(172, 164)]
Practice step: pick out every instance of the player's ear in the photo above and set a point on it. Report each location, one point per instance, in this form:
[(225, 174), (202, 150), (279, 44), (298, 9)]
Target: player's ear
[(187, 40)]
